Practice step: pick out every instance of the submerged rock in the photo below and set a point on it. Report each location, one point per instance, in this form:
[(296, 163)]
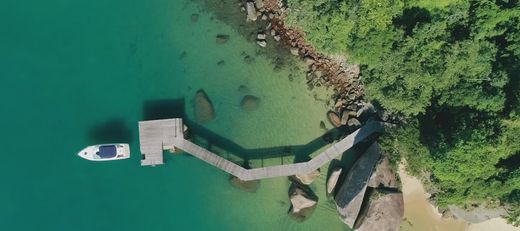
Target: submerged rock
[(353, 122), (243, 89), (194, 17), (204, 111), (221, 63), (248, 59), (249, 103), (222, 38), (322, 125), (334, 118), (248, 186), (308, 178), (333, 179)]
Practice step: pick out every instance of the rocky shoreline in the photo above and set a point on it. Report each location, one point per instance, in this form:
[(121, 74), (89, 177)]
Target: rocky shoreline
[(322, 70)]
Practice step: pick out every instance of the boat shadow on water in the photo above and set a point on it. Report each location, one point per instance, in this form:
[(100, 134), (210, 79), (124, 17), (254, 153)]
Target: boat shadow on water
[(113, 130)]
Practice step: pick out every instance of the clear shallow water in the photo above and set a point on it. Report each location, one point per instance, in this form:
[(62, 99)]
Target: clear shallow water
[(74, 73)]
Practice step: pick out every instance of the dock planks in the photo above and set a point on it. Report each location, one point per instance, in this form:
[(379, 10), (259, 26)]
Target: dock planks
[(158, 135)]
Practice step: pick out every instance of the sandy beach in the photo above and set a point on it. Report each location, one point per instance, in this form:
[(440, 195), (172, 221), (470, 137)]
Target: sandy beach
[(419, 214)]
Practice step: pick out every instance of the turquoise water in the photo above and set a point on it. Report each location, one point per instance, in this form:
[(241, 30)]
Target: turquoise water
[(76, 73)]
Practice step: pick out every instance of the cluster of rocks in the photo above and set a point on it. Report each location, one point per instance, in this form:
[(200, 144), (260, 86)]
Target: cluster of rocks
[(351, 116), (369, 198), (303, 200), (263, 9), (323, 70)]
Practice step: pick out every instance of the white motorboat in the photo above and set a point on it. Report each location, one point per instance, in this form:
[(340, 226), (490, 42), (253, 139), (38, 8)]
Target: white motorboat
[(105, 152)]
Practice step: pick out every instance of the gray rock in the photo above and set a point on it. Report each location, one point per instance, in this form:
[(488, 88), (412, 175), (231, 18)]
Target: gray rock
[(194, 17), (251, 11), (385, 213), (351, 193), (344, 117), (295, 51), (204, 111), (277, 38), (308, 178), (333, 180), (262, 43), (383, 176), (260, 36), (303, 202), (353, 122)]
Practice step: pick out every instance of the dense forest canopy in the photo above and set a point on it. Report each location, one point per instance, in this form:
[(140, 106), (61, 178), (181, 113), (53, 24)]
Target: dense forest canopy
[(451, 67)]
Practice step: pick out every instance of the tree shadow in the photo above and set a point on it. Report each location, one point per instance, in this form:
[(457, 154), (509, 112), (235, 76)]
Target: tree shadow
[(411, 18)]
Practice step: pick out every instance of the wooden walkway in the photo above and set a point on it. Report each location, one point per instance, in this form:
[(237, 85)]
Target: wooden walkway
[(158, 135)]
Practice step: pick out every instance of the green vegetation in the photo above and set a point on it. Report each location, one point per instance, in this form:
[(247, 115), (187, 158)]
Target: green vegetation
[(451, 68)]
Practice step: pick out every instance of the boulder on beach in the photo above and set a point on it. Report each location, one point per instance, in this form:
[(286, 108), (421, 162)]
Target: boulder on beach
[(385, 212), (308, 178), (383, 176), (249, 103), (351, 193), (247, 186), (334, 118), (333, 179), (303, 202), (222, 38), (204, 111)]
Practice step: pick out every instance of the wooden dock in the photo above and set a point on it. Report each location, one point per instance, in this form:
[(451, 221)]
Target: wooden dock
[(158, 135)]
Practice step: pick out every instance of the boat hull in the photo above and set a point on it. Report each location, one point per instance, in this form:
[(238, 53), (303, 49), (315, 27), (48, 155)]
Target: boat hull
[(105, 152)]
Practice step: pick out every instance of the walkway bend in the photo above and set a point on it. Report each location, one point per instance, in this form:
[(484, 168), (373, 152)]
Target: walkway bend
[(158, 135)]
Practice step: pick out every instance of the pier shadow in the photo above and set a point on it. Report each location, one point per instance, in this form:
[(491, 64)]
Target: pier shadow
[(114, 130), (176, 108)]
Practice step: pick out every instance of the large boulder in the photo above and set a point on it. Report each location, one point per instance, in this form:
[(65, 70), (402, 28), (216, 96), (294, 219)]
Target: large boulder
[(385, 212), (333, 180), (249, 103), (303, 202), (383, 176), (334, 118), (350, 195), (251, 11), (204, 111), (308, 178), (248, 186)]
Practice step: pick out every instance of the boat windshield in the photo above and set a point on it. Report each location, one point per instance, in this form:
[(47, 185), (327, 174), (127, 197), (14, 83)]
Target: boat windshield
[(107, 151)]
